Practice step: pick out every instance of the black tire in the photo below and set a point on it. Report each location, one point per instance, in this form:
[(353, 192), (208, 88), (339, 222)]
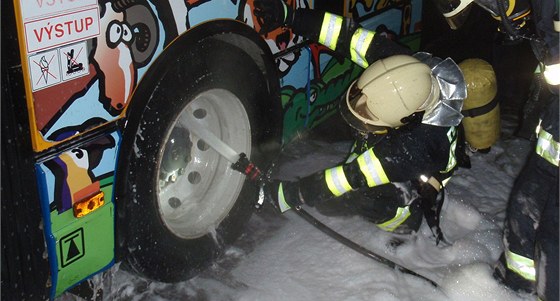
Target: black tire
[(177, 215)]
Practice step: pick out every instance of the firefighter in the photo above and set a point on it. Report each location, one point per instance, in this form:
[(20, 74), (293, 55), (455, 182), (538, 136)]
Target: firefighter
[(404, 109), (530, 259)]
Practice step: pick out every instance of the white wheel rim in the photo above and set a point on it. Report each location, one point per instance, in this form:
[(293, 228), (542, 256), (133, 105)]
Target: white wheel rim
[(205, 191)]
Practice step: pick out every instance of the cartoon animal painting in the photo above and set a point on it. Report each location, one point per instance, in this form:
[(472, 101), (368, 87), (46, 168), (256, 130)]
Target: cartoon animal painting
[(279, 39), (306, 107), (128, 42), (73, 173), (133, 33)]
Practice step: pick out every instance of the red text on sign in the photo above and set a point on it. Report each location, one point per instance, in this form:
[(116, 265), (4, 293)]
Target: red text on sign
[(59, 30)]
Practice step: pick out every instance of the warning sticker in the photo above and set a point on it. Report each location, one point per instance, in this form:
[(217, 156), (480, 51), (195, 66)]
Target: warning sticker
[(74, 60), (55, 66), (72, 247), (45, 69)]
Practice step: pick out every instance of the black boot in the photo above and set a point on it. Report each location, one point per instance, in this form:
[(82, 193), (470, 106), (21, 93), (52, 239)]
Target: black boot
[(282, 195)]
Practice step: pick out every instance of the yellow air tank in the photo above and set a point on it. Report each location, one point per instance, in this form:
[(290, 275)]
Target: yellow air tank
[(481, 109)]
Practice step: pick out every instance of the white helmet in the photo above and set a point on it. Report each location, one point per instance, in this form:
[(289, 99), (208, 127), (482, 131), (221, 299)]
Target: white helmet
[(388, 91)]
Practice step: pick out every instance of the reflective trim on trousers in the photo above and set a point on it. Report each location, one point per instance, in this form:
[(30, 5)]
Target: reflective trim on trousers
[(330, 30), (400, 217), (547, 147), (336, 181), (282, 204), (371, 169), (523, 266), (361, 39)]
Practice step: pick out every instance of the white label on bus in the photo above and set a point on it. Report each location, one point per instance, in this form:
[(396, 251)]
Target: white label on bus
[(74, 61), (42, 34), (44, 69)]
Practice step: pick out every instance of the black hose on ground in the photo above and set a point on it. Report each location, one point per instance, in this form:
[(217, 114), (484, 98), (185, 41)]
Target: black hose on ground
[(356, 247)]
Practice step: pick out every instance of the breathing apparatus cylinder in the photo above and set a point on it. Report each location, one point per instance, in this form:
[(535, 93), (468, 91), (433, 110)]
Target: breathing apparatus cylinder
[(480, 108)]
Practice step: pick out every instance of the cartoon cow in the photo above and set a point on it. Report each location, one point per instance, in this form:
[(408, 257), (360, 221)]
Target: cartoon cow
[(73, 172), (129, 41)]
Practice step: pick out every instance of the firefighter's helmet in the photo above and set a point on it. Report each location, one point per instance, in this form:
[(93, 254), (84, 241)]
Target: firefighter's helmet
[(388, 92)]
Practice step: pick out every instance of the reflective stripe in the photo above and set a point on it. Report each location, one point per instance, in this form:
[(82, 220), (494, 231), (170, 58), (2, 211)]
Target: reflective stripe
[(452, 137), (361, 39), (371, 169), (432, 181), (552, 74), (523, 266), (351, 157), (330, 30), (336, 181), (400, 217), (547, 147), (282, 204)]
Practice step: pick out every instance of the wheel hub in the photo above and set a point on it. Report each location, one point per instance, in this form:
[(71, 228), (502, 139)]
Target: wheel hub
[(197, 185)]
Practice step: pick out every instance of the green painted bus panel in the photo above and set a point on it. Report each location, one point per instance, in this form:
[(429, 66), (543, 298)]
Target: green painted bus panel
[(84, 247), (308, 106)]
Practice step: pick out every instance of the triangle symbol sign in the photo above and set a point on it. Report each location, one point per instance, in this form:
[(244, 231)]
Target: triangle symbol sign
[(72, 250)]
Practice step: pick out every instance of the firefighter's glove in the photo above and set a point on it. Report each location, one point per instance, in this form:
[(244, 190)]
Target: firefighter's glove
[(431, 201), (386, 47), (272, 14), (282, 195), (386, 32)]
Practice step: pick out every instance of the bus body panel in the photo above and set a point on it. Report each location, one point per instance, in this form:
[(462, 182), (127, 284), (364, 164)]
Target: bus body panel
[(85, 245), (81, 64)]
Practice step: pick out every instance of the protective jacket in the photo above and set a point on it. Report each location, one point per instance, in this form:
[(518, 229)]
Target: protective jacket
[(367, 179), (379, 178)]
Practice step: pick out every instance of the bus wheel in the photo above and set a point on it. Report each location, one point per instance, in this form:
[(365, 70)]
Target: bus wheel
[(184, 204)]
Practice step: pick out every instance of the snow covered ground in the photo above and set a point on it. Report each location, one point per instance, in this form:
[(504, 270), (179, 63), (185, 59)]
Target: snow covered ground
[(282, 257)]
